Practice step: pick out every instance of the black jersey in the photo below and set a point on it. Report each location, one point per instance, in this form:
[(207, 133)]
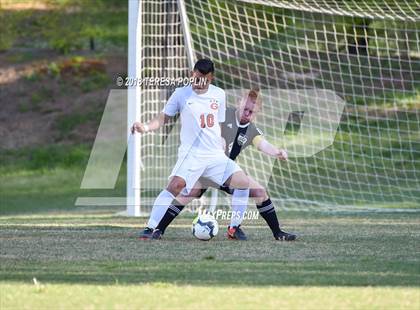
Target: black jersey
[(237, 136)]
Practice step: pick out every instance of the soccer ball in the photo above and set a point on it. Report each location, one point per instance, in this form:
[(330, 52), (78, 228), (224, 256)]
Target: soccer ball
[(204, 227)]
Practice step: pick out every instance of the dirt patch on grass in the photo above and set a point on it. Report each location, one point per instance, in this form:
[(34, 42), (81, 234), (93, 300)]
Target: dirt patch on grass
[(32, 5), (47, 98)]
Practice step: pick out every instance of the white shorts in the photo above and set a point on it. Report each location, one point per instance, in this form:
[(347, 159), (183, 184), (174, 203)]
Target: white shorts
[(218, 168)]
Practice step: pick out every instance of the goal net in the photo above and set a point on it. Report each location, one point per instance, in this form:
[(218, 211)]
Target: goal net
[(352, 66)]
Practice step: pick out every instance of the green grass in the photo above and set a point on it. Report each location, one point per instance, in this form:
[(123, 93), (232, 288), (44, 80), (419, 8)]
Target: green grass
[(68, 122), (47, 178), (167, 296), (94, 260), (94, 82), (105, 21), (41, 160)]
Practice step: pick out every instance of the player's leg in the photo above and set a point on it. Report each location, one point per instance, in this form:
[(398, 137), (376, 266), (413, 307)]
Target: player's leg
[(183, 176), (267, 210), (175, 209), (165, 199), (237, 180)]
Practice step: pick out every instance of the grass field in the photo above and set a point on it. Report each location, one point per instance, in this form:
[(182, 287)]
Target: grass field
[(56, 255), (88, 258), (93, 260)]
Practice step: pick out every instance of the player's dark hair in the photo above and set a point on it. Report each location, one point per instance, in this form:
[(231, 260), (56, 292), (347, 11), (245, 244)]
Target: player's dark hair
[(204, 66)]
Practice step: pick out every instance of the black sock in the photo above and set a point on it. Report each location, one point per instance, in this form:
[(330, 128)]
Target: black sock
[(174, 209), (268, 213)]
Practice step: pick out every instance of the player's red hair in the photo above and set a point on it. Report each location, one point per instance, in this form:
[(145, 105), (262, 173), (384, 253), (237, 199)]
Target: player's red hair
[(255, 95)]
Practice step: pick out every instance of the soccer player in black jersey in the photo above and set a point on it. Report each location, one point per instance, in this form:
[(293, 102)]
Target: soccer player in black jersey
[(239, 132)]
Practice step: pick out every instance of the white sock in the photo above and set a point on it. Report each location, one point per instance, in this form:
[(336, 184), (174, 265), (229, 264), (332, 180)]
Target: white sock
[(160, 206), (239, 205)]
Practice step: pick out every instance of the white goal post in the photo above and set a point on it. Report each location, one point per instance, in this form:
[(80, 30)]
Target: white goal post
[(366, 53)]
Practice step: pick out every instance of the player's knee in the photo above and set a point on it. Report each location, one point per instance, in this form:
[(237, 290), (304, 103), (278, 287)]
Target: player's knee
[(175, 186), (239, 180), (258, 193)]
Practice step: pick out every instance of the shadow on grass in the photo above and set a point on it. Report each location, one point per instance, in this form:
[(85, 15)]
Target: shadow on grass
[(332, 251), (217, 273)]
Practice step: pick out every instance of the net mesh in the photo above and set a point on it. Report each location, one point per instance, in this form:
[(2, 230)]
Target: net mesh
[(363, 53)]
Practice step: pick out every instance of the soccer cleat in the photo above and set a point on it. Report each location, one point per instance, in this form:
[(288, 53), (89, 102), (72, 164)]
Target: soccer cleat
[(284, 236), (236, 233), (146, 234), (157, 234)]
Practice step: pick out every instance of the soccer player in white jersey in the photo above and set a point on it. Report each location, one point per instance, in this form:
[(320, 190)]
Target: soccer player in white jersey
[(202, 107)]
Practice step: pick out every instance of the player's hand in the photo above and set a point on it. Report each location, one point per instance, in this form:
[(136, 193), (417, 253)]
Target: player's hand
[(139, 127), (282, 155)]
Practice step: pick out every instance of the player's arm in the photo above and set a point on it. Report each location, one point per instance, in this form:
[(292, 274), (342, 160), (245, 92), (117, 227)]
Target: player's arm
[(171, 108), (267, 148), (157, 122)]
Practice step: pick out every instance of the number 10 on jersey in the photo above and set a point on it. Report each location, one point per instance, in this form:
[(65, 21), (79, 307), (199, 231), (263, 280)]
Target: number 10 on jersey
[(206, 121)]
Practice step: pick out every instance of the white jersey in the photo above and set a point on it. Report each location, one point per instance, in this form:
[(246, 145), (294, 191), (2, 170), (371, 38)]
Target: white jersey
[(200, 118)]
